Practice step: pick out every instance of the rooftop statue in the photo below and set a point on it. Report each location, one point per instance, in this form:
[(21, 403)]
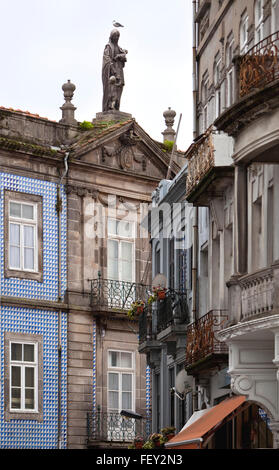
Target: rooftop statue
[(114, 59)]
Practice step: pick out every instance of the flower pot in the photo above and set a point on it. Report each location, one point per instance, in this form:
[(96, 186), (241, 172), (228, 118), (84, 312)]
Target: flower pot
[(157, 443), (138, 445), (170, 436), (161, 295), (139, 310)]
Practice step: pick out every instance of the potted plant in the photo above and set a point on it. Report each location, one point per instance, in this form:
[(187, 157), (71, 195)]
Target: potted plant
[(138, 442), (157, 439), (136, 309), (148, 444), (158, 293), (168, 432)]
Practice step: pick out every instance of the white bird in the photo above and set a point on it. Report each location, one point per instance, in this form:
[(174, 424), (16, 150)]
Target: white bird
[(117, 25)]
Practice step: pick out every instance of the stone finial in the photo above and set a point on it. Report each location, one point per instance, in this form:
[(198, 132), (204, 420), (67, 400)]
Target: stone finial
[(169, 132), (68, 109)]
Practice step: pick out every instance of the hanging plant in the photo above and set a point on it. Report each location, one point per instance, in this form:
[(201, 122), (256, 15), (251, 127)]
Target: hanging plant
[(158, 293), (136, 309)]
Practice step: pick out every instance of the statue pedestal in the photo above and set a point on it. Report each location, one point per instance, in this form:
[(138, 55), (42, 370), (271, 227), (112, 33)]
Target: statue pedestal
[(112, 115)]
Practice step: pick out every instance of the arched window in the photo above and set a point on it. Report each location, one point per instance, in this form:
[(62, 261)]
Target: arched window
[(259, 21)]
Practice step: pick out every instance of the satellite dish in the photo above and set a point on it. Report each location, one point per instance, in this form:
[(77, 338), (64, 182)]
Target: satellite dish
[(183, 382), (159, 280)]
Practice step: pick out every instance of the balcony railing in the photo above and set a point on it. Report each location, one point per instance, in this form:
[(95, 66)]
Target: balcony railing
[(117, 295), (112, 427), (201, 340), (201, 160), (173, 309), (260, 65), (257, 294)]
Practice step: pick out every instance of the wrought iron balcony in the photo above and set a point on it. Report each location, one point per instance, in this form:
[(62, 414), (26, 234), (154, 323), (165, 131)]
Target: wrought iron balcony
[(201, 341), (103, 426), (260, 65), (211, 154), (171, 310), (109, 294)]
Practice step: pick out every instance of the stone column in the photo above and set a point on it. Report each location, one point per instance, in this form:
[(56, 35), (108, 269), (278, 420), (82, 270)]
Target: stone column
[(169, 132), (68, 109), (240, 220), (274, 426)]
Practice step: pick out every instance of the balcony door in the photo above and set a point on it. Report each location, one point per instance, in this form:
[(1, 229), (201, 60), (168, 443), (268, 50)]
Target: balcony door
[(121, 250), (120, 395)]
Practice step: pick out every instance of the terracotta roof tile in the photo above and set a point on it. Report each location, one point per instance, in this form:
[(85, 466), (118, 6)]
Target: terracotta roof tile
[(26, 113)]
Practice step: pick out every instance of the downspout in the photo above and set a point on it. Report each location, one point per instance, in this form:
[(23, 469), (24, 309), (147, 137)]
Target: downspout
[(196, 210), (194, 72), (59, 211)]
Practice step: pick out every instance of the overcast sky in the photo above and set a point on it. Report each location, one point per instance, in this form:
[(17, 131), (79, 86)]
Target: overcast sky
[(46, 42)]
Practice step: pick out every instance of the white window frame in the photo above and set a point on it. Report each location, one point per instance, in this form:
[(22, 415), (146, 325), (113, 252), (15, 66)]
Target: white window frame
[(23, 365), (259, 21), (230, 73), (23, 222), (244, 33), (120, 239), (120, 371), (273, 16)]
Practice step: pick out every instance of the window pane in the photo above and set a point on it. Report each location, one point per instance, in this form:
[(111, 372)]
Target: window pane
[(127, 271), (29, 399), (29, 377), (126, 359), (15, 209), (127, 382), (113, 381), (29, 352), (27, 211), (15, 234), (113, 400), (28, 258), (127, 400), (114, 358), (28, 236), (126, 251), (14, 257), (15, 376), (16, 352), (16, 396), (112, 259)]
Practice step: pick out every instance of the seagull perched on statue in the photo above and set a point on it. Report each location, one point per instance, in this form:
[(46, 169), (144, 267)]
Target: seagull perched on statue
[(117, 25)]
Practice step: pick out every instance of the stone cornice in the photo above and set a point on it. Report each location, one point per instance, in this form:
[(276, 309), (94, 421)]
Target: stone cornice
[(235, 332)]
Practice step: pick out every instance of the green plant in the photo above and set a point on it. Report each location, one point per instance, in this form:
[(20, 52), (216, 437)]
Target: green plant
[(136, 309), (148, 445), (158, 293), (168, 145), (168, 430), (86, 125)]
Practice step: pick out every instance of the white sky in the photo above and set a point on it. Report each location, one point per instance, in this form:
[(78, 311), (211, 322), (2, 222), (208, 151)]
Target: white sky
[(46, 42)]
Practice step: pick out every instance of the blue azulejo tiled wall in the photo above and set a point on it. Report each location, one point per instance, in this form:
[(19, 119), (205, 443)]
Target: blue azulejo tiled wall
[(30, 434), (48, 289)]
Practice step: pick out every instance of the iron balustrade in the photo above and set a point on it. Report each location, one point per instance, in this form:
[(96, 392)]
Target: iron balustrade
[(172, 309), (200, 337), (260, 65), (112, 427), (117, 295)]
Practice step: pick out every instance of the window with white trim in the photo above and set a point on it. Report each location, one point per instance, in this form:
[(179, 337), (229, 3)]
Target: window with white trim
[(121, 250), (259, 21), (244, 25), (23, 377), (217, 79), (274, 17), (23, 236), (23, 239), (120, 381), (229, 67)]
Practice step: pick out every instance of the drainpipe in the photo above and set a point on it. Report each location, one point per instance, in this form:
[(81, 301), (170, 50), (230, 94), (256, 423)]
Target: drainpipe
[(196, 210), (59, 211), (194, 70)]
